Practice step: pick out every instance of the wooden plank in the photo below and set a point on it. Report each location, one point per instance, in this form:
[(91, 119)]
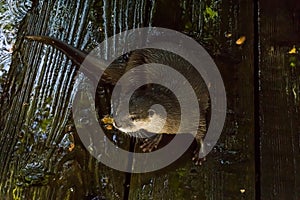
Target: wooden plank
[(77, 175), (279, 99), (41, 154), (41, 79), (229, 171)]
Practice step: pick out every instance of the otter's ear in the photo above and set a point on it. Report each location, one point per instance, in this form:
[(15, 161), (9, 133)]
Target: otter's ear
[(136, 58)]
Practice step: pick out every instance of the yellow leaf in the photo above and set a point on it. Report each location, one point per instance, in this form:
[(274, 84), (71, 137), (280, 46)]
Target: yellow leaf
[(293, 50), (107, 120), (241, 40), (109, 127)]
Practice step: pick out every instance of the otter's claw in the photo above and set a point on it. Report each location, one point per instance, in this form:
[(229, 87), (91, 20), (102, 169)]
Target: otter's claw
[(151, 143), (199, 151), (197, 160)]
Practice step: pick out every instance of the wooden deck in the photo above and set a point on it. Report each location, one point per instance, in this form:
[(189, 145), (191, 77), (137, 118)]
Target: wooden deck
[(258, 154)]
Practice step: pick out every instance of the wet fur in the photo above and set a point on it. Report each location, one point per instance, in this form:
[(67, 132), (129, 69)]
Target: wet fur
[(143, 96), (160, 95)]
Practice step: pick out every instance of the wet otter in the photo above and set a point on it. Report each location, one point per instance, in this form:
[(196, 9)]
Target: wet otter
[(148, 95)]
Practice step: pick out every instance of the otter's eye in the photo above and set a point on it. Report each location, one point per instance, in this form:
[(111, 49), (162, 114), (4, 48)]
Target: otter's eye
[(151, 112), (132, 118)]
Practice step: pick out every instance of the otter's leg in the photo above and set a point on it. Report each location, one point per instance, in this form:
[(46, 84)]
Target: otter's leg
[(199, 153), (151, 143), (198, 158)]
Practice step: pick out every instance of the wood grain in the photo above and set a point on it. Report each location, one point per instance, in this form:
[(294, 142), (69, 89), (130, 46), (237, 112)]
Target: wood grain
[(229, 171), (279, 99)]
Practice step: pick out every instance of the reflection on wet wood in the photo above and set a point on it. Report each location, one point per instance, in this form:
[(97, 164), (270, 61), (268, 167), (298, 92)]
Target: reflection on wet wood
[(42, 156)]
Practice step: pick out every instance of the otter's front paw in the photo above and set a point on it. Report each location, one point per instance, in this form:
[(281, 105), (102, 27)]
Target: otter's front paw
[(197, 159), (151, 143)]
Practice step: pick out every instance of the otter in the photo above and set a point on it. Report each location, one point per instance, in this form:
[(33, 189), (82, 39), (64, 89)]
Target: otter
[(148, 95)]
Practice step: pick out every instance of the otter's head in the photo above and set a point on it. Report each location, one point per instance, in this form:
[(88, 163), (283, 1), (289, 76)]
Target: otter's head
[(144, 115), (151, 109)]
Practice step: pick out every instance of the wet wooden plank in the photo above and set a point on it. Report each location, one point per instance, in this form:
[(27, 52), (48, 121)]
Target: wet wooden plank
[(77, 174), (279, 99), (229, 172), (42, 156)]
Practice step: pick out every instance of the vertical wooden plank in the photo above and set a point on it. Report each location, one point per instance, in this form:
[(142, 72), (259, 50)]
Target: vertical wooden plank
[(41, 155), (229, 170), (279, 98)]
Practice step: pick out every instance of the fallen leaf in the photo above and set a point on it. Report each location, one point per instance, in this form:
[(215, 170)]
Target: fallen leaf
[(241, 40), (228, 35), (293, 50), (242, 191), (109, 127), (107, 120)]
